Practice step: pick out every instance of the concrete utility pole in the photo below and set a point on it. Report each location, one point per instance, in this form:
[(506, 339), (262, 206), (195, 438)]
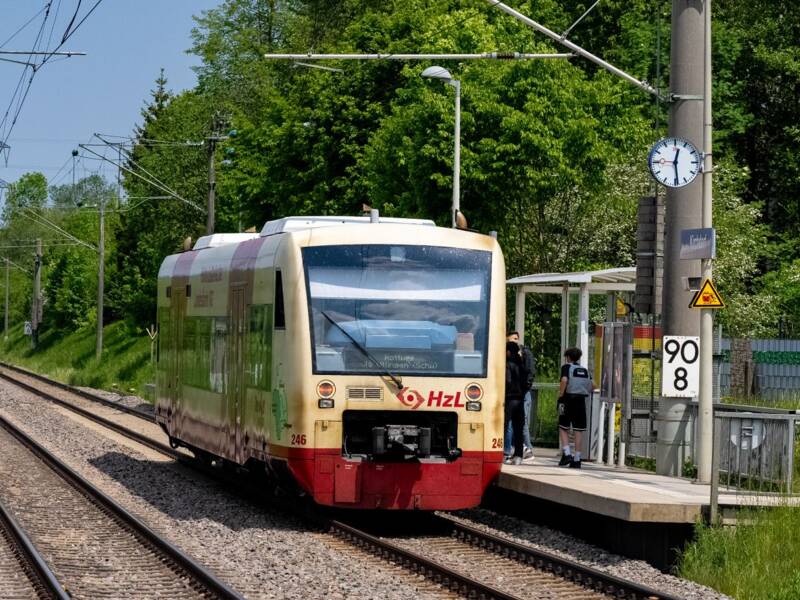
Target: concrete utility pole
[(212, 182), (683, 211), (212, 141), (101, 268), (36, 308)]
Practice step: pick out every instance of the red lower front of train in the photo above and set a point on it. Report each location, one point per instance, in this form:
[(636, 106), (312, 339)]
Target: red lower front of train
[(336, 481)]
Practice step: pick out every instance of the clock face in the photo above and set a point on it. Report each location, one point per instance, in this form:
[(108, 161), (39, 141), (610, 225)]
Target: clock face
[(674, 162)]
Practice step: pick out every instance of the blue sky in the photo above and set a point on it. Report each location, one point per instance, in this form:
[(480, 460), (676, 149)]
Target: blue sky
[(127, 42)]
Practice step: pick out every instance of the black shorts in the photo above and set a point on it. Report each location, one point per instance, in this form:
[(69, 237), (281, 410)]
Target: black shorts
[(572, 412)]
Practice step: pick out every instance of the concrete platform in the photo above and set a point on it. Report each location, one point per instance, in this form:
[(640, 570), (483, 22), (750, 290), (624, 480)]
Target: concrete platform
[(626, 511), (626, 494)]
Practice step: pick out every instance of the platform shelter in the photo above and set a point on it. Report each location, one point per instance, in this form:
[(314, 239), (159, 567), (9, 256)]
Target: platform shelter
[(608, 282)]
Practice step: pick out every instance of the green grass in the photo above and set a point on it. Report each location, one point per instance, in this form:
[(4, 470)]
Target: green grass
[(545, 429), (757, 559), (125, 365)]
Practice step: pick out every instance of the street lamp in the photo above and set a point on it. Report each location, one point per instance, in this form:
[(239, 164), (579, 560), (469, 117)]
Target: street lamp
[(444, 75)]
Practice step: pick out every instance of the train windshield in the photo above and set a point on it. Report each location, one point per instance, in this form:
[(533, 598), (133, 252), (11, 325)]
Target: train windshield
[(412, 310)]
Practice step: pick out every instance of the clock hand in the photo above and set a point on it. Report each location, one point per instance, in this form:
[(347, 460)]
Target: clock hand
[(677, 151)]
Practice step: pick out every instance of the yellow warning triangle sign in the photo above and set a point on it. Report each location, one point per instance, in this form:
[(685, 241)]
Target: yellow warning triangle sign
[(707, 297)]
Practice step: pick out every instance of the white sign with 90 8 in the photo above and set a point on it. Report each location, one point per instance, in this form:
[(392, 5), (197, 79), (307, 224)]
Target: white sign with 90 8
[(680, 366)]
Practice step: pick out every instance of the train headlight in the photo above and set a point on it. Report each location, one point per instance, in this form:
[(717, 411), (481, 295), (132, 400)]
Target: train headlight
[(474, 405), (326, 389), (325, 403), (473, 392)]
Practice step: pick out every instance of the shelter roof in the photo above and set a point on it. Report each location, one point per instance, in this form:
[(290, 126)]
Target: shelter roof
[(610, 276)]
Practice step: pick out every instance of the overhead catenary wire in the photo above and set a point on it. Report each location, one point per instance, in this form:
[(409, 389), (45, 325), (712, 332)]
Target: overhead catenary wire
[(155, 182), (21, 91), (33, 216), (16, 266)]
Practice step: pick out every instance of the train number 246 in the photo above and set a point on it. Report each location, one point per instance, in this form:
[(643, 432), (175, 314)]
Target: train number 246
[(299, 439), (497, 442)]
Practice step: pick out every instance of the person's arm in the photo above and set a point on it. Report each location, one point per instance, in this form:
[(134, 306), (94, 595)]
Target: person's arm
[(562, 386)]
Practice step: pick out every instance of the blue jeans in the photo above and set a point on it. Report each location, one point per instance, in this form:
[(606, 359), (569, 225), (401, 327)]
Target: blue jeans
[(508, 441)]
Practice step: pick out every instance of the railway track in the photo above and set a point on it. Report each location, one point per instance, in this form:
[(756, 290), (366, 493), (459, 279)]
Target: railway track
[(480, 559), (94, 546), (486, 566), (23, 571)]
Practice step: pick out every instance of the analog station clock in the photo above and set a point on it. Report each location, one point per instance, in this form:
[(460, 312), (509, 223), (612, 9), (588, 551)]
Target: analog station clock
[(674, 162)]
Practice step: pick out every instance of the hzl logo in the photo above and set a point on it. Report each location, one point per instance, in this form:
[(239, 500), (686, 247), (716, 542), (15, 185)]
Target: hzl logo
[(413, 399)]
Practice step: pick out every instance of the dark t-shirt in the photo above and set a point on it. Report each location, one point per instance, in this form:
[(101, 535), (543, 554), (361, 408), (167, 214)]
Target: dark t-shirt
[(565, 371), (516, 378)]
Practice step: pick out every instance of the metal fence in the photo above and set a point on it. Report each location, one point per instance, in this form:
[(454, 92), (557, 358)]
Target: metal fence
[(754, 451), (776, 368)]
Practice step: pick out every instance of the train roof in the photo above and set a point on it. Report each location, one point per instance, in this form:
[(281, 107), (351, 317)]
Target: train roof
[(222, 239), (289, 224)]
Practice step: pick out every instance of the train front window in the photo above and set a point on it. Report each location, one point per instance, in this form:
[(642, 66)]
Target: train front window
[(412, 310)]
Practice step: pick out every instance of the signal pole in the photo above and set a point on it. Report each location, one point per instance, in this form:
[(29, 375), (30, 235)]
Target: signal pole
[(36, 308)]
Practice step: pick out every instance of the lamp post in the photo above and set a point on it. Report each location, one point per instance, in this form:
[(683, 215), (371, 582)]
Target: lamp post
[(444, 75)]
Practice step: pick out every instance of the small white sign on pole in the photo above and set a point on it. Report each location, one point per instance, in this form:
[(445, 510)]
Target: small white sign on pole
[(680, 366)]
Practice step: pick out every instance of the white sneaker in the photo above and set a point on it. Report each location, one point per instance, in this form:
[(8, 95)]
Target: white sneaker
[(507, 460), (517, 460), (527, 453)]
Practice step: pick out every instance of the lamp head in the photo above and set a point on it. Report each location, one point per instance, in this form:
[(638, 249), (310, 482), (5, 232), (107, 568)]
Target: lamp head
[(437, 73)]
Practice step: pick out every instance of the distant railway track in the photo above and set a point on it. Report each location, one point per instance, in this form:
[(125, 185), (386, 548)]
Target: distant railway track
[(92, 543), (95, 398), (526, 566), (80, 402)]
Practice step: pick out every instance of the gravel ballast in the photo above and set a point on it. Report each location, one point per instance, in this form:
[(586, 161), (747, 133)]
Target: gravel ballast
[(260, 554)]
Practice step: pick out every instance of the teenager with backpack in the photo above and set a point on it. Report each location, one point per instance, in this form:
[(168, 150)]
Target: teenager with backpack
[(574, 389)]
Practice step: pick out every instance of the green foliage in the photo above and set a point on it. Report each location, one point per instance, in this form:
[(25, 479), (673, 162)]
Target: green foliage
[(152, 228), (70, 358), (743, 245)]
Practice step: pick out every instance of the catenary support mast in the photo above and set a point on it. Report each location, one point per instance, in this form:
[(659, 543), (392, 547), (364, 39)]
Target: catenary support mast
[(683, 211)]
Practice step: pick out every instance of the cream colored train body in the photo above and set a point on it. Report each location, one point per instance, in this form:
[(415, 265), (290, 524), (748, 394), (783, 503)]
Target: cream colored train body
[(362, 360)]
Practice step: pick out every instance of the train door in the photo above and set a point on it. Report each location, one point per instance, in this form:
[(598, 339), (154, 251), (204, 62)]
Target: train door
[(236, 382), (175, 366)]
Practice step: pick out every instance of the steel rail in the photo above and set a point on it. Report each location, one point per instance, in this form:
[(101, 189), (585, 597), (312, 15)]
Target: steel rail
[(171, 552), (572, 571), (39, 572), (77, 391), (432, 570), (129, 433)]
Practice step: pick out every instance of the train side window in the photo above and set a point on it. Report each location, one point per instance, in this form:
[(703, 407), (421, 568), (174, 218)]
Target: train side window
[(280, 315)]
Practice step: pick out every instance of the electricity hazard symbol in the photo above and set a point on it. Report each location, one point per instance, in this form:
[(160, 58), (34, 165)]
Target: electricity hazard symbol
[(707, 297)]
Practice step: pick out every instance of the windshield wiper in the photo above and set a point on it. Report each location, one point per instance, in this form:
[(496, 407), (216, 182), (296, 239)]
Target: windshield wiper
[(384, 371)]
